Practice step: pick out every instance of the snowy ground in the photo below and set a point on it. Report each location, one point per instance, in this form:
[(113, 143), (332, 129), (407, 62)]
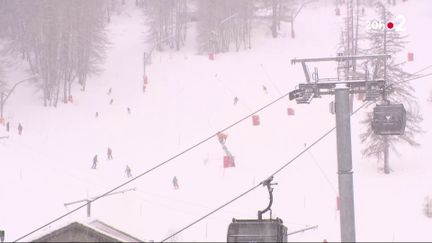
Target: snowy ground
[(190, 98)]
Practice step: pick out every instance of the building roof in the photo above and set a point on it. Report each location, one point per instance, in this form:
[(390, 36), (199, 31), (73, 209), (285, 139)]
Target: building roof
[(97, 229), (109, 230)]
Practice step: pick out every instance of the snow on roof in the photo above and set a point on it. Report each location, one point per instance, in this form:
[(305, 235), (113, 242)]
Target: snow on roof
[(111, 231), (95, 225)]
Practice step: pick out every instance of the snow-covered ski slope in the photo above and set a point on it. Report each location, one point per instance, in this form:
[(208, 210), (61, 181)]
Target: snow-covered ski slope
[(189, 98)]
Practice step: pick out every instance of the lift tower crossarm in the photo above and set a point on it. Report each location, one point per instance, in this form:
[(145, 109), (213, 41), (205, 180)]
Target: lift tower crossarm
[(89, 200), (338, 58)]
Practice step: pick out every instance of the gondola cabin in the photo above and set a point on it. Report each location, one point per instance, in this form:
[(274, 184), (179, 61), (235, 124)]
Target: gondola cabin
[(389, 119), (255, 230)]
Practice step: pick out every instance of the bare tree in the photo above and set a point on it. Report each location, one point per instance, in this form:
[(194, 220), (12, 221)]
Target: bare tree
[(168, 23), (223, 23), (62, 41)]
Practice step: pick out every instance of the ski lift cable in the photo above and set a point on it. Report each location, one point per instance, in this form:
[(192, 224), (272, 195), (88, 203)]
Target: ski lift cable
[(231, 92), (409, 79), (261, 183), (269, 79), (323, 173), (421, 70), (193, 147), (158, 165), (144, 196)]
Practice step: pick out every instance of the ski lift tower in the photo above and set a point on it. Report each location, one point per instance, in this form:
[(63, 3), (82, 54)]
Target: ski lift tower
[(342, 87)]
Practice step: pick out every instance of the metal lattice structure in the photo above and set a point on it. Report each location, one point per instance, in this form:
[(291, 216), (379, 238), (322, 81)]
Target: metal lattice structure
[(315, 86)]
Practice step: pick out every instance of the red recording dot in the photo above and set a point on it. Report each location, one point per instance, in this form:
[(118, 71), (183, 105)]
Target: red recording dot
[(390, 25)]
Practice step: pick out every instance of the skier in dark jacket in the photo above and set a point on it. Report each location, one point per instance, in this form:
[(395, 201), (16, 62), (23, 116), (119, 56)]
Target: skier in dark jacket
[(7, 127), (264, 88), (175, 183), (235, 100), (109, 153), (20, 128), (111, 101), (95, 160), (128, 171)]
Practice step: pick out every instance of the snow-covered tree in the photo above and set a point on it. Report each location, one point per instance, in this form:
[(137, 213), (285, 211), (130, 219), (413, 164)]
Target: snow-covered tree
[(62, 41), (90, 41), (223, 23), (168, 23), (398, 91), (350, 38), (277, 11)]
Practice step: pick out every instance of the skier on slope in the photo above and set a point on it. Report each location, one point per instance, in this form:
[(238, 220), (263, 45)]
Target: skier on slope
[(109, 153), (95, 160), (235, 100), (109, 91), (20, 128), (264, 88), (128, 171), (7, 127), (175, 183), (111, 101), (128, 110)]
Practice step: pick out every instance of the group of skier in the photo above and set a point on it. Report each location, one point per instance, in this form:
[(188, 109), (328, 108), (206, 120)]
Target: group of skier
[(128, 170), (19, 128), (128, 109)]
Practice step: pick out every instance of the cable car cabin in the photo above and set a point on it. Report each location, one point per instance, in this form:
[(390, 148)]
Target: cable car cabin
[(255, 230), (389, 119)]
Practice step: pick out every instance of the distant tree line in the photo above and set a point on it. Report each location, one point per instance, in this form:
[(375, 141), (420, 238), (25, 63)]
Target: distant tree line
[(63, 41), (221, 25)]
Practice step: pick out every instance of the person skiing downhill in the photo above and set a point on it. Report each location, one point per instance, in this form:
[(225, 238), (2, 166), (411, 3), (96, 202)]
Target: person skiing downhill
[(20, 128), (175, 183), (7, 127), (109, 153), (264, 89), (128, 171), (109, 91), (94, 162), (128, 110), (111, 101), (235, 100)]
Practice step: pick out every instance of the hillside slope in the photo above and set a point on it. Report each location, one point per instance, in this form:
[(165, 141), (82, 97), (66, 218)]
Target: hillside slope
[(189, 98)]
